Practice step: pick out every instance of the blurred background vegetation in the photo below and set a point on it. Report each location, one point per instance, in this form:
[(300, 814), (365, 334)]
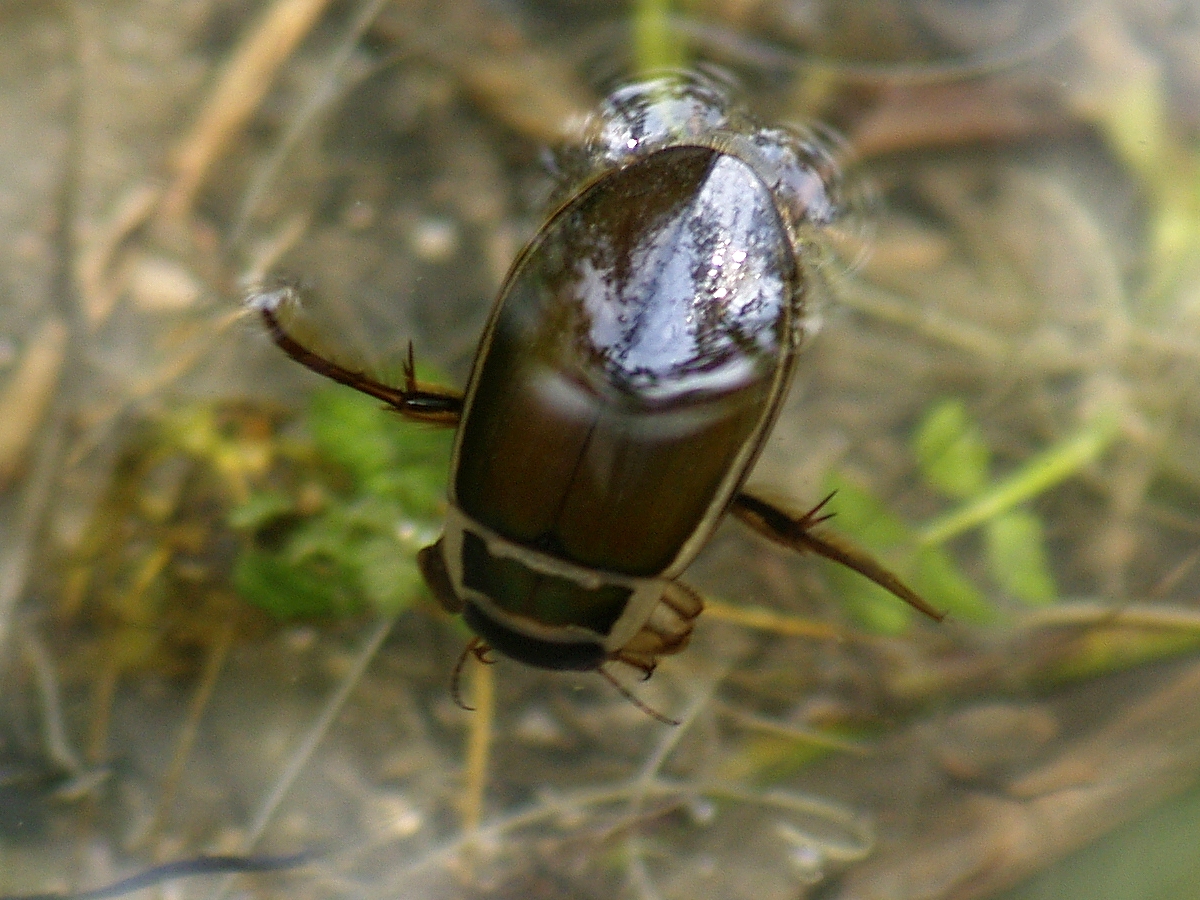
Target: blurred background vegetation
[(213, 636)]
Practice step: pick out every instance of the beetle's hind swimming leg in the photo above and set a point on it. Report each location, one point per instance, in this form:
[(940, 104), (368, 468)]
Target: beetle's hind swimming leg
[(796, 533), (417, 401), (480, 651)]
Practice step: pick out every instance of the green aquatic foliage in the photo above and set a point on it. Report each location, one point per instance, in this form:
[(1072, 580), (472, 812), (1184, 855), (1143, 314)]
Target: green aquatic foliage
[(288, 591), (1017, 559), (954, 459), (379, 500), (1136, 119), (941, 580), (863, 516), (951, 451), (929, 570), (1058, 462)]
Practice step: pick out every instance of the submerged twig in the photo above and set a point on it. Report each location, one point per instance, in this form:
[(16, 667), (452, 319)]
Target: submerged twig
[(988, 840), (479, 744), (304, 750), (188, 733), (27, 395), (59, 749), (241, 87)]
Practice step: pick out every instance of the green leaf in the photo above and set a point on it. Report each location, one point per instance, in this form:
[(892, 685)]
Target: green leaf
[(386, 456), (951, 451), (868, 605), (262, 507), (351, 430), (862, 517), (288, 591), (1016, 553), (860, 514), (1102, 651), (938, 580), (1053, 465), (329, 537), (930, 571), (388, 573)]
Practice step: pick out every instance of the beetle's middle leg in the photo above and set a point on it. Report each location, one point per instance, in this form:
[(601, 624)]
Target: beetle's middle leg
[(420, 402), (797, 533)]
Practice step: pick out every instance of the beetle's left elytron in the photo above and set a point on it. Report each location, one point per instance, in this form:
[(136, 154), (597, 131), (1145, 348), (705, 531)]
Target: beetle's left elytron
[(631, 369)]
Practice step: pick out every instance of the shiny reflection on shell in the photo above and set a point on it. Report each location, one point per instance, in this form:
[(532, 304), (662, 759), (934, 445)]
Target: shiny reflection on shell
[(797, 164)]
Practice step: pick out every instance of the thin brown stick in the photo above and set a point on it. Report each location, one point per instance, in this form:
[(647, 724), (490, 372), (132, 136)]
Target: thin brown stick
[(243, 84), (190, 729)]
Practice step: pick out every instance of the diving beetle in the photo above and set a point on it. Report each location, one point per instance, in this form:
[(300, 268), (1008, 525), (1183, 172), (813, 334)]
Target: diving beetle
[(629, 374)]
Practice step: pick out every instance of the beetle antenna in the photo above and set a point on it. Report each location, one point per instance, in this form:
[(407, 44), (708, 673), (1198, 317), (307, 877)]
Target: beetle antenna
[(479, 650), (640, 704)]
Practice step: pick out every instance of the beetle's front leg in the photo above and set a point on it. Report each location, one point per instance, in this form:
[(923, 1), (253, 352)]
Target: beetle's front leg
[(417, 401), (797, 533)]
